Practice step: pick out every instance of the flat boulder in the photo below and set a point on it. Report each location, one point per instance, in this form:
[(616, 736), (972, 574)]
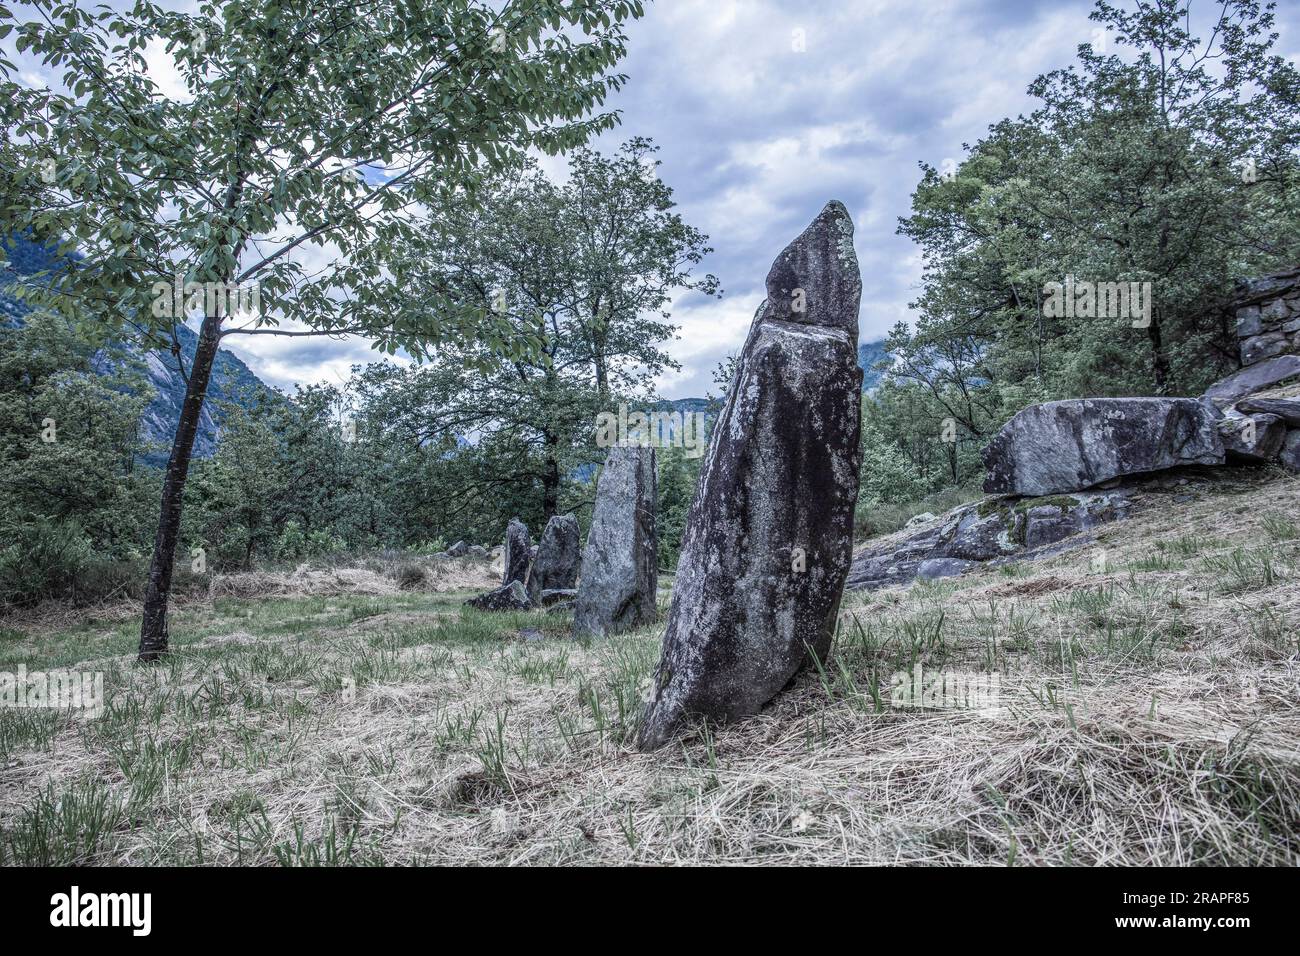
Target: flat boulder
[(508, 597), (1071, 445), (1287, 409), (1254, 378), (620, 564), (559, 551), (769, 533)]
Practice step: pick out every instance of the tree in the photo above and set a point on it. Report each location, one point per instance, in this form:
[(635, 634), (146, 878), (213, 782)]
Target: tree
[(325, 123), (1167, 160), (69, 441), (587, 269)]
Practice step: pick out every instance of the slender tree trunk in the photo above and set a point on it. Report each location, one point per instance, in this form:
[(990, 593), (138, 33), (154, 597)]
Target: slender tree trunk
[(602, 375), (153, 629), (597, 337), (551, 481), (1159, 361)]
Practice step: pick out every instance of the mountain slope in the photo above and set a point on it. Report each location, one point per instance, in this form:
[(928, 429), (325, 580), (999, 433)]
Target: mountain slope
[(232, 381), (869, 355)]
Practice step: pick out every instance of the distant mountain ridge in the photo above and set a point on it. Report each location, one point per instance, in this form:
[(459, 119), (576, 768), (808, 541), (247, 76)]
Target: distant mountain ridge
[(232, 381), (869, 355)]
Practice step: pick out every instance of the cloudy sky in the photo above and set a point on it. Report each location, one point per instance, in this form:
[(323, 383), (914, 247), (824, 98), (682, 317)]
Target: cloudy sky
[(766, 109)]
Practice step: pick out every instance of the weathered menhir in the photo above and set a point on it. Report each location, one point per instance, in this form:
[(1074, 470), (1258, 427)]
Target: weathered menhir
[(770, 532), (558, 554), (620, 565)]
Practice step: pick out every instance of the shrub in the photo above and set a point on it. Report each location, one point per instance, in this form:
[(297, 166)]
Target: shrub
[(872, 520), (44, 559)]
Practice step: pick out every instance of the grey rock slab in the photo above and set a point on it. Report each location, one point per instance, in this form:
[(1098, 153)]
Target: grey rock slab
[(1255, 378), (1075, 444), (559, 552), (1287, 409)]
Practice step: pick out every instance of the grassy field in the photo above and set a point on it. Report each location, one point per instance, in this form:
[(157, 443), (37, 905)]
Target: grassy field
[(1147, 712)]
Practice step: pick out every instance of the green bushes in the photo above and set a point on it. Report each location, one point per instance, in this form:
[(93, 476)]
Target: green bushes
[(47, 560), (872, 519), (44, 559)]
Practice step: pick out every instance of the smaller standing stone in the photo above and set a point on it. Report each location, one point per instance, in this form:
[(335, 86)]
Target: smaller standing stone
[(620, 571), (555, 566), (518, 544)]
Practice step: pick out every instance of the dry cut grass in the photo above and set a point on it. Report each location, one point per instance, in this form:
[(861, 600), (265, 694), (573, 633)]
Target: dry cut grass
[(1145, 713)]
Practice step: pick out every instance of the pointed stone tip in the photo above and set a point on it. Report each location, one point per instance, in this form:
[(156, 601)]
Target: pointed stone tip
[(815, 279), (836, 208)]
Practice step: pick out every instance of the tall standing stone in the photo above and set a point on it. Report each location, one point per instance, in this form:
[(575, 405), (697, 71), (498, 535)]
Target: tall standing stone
[(769, 535), (518, 544), (556, 566), (620, 570)]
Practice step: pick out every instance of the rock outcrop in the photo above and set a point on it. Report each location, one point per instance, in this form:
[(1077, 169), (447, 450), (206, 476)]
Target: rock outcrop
[(1254, 378), (989, 532), (1070, 445), (558, 552), (1063, 448), (1252, 438), (768, 537), (620, 570), (518, 546)]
